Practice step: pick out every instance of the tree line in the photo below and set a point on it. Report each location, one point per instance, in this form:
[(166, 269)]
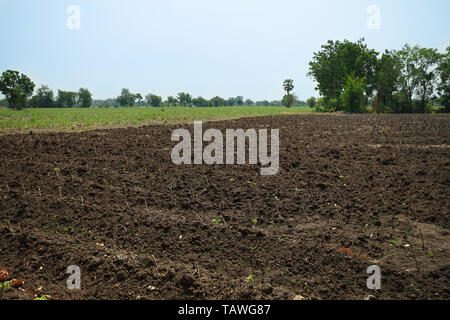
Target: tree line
[(352, 77), (183, 99), (18, 90)]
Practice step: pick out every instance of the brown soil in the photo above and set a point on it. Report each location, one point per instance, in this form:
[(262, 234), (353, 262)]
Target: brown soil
[(352, 191)]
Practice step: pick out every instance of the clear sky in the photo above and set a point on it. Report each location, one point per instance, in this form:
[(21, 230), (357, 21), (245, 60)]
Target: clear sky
[(204, 47)]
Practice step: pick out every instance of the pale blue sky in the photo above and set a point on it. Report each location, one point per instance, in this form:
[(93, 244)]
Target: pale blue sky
[(204, 47)]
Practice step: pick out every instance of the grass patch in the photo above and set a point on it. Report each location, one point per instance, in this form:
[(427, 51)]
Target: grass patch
[(78, 119)]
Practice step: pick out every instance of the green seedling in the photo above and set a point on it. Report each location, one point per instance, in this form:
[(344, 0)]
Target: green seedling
[(43, 297), (276, 198), (8, 223), (217, 220), (412, 286), (57, 170), (255, 221), (3, 287), (232, 180), (251, 279), (395, 243)]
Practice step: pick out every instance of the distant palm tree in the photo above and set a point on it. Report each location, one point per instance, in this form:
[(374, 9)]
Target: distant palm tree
[(288, 86)]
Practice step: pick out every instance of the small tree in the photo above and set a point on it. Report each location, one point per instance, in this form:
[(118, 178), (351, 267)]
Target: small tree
[(126, 98), (185, 99), (288, 86), (353, 98), (289, 100), (311, 102), (84, 98), (154, 100), (172, 101), (239, 100), (44, 98), (16, 87), (66, 99), (139, 98)]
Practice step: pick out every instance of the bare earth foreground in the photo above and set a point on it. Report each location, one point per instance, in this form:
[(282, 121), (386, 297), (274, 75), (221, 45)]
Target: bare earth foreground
[(352, 191)]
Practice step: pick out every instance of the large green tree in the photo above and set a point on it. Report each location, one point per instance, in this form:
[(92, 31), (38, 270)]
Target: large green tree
[(418, 77), (336, 60), (16, 87)]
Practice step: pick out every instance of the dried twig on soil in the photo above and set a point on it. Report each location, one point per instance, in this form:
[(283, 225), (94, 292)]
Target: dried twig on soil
[(421, 237), (223, 219), (146, 206), (200, 218), (156, 265), (414, 257)]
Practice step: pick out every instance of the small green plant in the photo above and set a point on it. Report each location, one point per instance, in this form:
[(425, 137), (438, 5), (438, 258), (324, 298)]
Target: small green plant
[(232, 180), (3, 287), (8, 223), (255, 221), (217, 220), (276, 198), (251, 279), (57, 170), (43, 297), (395, 243), (413, 287)]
